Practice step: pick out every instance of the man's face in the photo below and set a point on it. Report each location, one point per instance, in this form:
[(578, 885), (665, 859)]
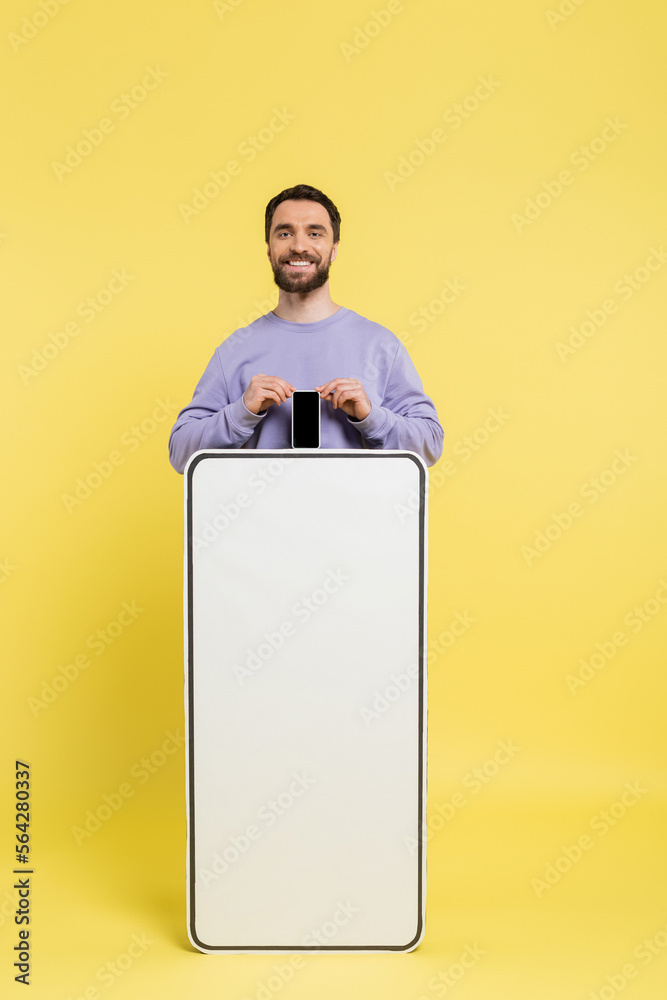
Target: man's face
[(301, 231)]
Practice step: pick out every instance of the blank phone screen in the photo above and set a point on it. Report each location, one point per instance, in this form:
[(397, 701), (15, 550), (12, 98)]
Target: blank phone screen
[(305, 418), (306, 776)]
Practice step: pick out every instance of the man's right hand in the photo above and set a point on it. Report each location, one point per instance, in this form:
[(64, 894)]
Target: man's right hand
[(265, 390)]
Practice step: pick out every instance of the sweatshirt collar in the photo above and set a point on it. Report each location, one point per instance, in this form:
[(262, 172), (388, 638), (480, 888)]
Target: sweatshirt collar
[(320, 324)]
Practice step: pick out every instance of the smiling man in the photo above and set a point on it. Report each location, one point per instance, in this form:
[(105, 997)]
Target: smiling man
[(372, 396)]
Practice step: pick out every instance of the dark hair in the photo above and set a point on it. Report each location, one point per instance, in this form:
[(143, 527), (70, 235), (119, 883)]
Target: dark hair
[(302, 192)]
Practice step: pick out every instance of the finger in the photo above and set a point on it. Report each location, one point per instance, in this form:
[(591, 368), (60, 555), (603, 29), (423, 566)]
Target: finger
[(271, 397), (346, 395), (287, 387), (332, 383), (342, 392), (280, 388), (329, 388), (340, 383)]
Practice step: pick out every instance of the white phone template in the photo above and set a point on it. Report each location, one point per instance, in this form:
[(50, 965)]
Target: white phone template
[(305, 695)]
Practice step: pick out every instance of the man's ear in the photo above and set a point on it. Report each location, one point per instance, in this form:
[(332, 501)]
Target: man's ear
[(334, 251)]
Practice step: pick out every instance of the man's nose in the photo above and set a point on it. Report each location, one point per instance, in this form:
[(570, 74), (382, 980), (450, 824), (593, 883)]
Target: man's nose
[(298, 243)]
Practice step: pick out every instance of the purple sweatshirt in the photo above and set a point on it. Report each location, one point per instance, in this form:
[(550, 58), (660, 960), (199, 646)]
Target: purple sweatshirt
[(345, 345)]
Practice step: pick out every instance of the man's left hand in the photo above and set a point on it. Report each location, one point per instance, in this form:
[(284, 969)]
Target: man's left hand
[(348, 394)]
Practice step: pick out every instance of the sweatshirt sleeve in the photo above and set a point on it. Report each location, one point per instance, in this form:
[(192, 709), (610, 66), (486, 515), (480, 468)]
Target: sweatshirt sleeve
[(211, 419), (407, 419)]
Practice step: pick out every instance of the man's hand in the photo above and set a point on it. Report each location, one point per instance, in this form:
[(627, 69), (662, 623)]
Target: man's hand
[(265, 390), (348, 394)]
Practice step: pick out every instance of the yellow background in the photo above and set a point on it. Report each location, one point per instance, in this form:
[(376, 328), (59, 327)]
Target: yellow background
[(360, 100)]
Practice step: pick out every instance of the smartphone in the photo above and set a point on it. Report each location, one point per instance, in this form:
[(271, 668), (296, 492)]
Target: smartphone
[(305, 418)]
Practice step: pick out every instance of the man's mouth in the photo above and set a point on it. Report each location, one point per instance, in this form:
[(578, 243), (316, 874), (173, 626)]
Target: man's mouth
[(296, 264)]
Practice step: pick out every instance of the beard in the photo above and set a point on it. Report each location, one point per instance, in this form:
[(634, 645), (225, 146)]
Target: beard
[(293, 283)]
